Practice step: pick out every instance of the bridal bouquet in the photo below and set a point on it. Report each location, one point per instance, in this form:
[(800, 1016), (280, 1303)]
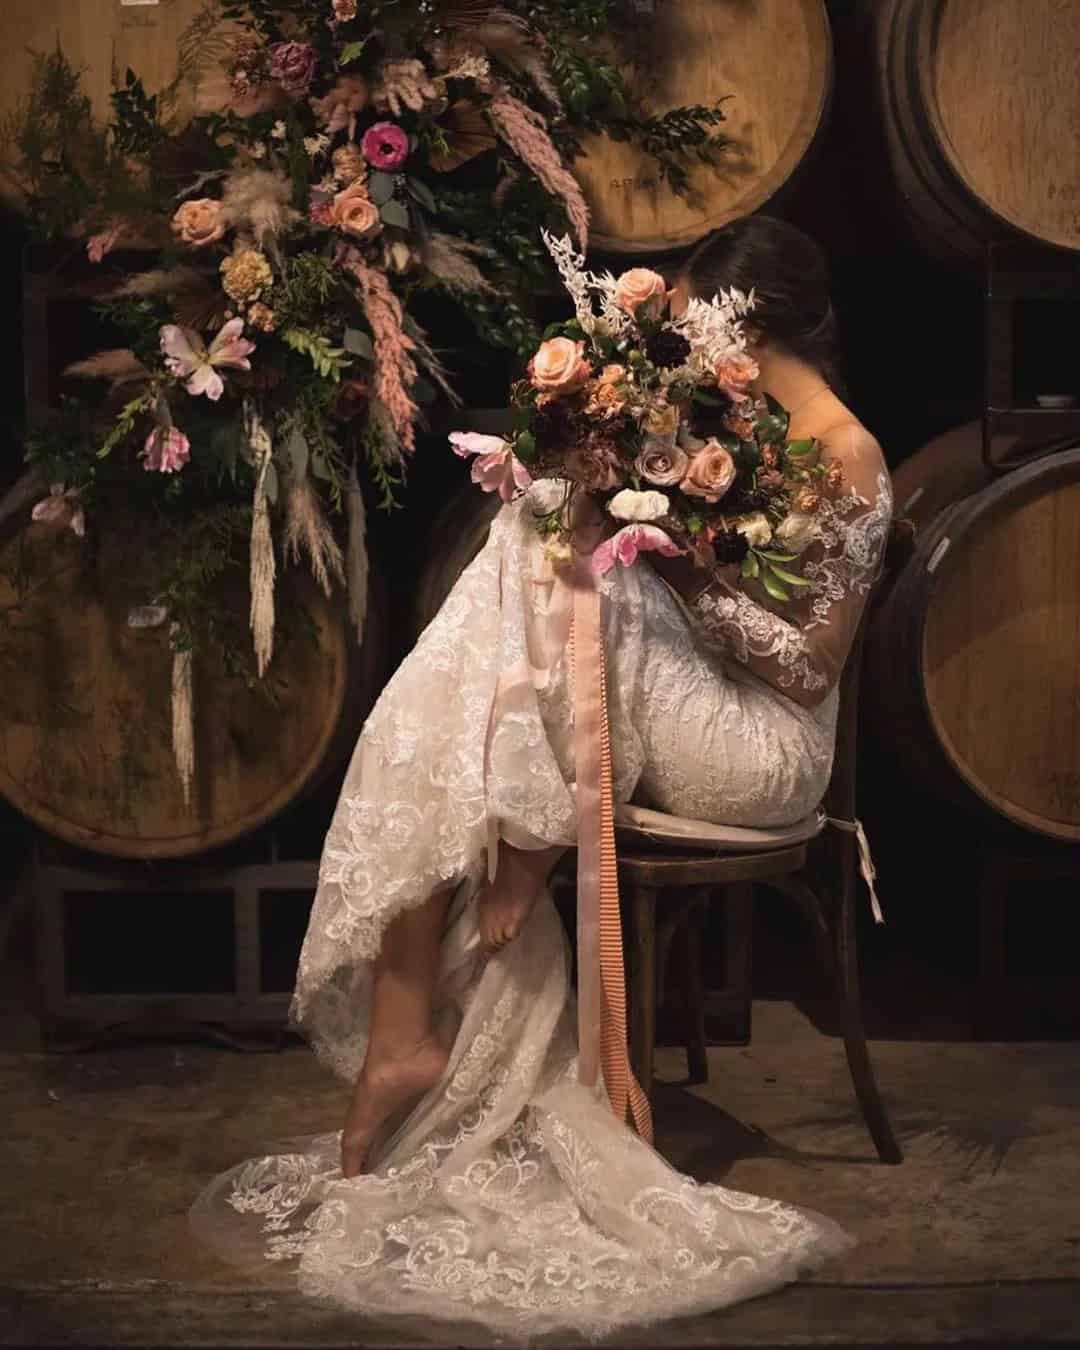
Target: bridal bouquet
[(651, 414)]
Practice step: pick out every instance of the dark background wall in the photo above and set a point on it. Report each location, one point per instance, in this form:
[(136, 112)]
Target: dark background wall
[(912, 339)]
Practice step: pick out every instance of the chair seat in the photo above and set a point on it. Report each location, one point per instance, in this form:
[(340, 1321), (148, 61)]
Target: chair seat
[(640, 822)]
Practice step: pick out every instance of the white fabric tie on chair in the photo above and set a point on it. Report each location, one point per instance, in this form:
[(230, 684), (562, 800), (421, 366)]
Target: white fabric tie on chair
[(866, 861)]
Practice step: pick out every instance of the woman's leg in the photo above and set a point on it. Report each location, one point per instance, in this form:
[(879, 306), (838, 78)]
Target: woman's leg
[(506, 902), (404, 1058)]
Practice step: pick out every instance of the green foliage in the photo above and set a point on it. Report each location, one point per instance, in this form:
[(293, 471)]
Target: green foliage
[(136, 126), (328, 360)]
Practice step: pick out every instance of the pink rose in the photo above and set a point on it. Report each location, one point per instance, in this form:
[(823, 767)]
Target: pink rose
[(641, 287), (166, 450), (665, 466), (559, 366), (199, 223), (625, 545), (292, 65), (355, 213), (385, 146), (711, 472), (736, 373), (495, 468)]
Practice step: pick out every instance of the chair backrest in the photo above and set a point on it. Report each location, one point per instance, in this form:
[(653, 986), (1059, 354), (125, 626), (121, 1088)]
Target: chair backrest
[(840, 794)]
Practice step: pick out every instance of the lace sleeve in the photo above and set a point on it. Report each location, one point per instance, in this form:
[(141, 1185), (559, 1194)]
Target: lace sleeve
[(801, 647)]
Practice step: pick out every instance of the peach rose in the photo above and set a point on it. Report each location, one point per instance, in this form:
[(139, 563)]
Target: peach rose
[(605, 400), (641, 292), (711, 472), (559, 366), (199, 223), (736, 373), (355, 213), (665, 466), (613, 374)]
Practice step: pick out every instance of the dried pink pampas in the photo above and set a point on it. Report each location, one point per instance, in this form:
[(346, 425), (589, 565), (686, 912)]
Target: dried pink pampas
[(525, 132), (395, 369)]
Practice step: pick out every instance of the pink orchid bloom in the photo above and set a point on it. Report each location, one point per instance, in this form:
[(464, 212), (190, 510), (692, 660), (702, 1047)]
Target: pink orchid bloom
[(496, 468), (625, 545), (187, 357), (166, 450)]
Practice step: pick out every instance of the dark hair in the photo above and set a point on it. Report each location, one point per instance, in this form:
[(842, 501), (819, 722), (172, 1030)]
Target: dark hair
[(789, 275)]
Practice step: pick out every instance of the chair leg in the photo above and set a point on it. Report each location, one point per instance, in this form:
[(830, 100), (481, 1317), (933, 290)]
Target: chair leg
[(858, 1052), (688, 954), (642, 945)]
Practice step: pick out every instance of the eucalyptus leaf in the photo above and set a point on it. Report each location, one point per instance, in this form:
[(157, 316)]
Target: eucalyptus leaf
[(773, 586), (423, 194), (796, 449), (270, 483), (380, 186), (751, 568), (358, 342), (790, 578), (395, 213), (778, 557), (352, 51)]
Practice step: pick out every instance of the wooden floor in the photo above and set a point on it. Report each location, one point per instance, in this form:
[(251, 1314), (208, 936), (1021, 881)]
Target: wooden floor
[(974, 1239)]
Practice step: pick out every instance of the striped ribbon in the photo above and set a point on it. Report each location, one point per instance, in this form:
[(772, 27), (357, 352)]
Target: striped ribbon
[(602, 1042)]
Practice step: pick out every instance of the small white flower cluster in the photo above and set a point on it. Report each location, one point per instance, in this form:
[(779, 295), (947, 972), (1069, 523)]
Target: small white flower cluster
[(714, 329), (582, 286)]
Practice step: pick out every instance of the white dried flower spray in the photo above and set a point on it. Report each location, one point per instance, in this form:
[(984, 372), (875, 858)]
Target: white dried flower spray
[(183, 713), (307, 530), (263, 562)]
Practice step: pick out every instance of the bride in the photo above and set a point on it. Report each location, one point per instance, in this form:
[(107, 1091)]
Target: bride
[(475, 1179)]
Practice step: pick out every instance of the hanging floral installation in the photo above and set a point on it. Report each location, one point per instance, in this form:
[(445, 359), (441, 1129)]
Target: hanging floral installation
[(266, 259)]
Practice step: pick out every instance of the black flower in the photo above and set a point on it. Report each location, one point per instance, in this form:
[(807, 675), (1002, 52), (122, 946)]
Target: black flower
[(667, 348), (730, 547)]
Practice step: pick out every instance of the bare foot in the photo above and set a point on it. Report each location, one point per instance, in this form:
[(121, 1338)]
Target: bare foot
[(506, 902), (384, 1086)]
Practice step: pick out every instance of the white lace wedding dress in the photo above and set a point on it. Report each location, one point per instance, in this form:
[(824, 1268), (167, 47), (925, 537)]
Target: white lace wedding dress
[(510, 1196)]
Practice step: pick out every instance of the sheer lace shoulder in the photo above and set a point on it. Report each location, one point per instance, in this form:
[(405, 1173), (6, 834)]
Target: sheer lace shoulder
[(801, 646)]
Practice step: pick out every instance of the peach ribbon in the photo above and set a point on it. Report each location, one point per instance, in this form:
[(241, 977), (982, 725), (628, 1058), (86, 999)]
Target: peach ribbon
[(602, 1043)]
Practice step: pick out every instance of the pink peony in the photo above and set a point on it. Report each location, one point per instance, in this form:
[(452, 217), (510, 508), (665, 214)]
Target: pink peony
[(292, 65), (166, 450), (625, 545), (385, 146), (495, 468)]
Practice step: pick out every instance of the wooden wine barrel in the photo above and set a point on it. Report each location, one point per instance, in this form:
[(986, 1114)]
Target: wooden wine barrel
[(972, 660), (102, 39), (85, 715), (772, 59), (980, 105)]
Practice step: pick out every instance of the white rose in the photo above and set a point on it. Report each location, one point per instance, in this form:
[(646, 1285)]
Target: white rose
[(638, 506), (754, 528), (796, 532), (546, 495)]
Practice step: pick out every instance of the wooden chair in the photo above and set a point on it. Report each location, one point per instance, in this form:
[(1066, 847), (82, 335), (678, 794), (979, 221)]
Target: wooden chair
[(667, 884)]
